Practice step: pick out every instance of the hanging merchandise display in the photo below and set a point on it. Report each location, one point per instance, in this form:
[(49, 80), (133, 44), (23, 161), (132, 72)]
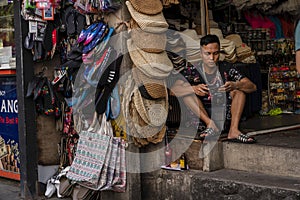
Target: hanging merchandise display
[(104, 71), (76, 34)]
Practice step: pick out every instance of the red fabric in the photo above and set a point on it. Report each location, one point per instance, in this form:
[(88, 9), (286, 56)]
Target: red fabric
[(256, 20)]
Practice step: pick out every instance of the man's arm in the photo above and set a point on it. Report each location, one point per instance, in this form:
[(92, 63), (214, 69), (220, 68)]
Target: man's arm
[(298, 60), (182, 88), (243, 84)]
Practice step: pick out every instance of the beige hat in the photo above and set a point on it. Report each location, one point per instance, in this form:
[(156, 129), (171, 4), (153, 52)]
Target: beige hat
[(149, 42), (149, 23), (139, 128), (153, 112), (148, 7), (191, 39), (154, 65), (149, 88), (242, 49), (218, 32)]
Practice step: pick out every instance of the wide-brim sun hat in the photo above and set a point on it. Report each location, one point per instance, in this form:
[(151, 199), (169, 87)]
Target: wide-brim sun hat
[(149, 42), (142, 133), (154, 65), (149, 88), (148, 7), (141, 128), (153, 112), (149, 23)]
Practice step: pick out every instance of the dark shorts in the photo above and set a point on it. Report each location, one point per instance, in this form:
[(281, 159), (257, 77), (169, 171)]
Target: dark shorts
[(193, 120)]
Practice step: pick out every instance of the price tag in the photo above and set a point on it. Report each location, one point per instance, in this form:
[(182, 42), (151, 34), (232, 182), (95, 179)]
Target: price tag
[(32, 26)]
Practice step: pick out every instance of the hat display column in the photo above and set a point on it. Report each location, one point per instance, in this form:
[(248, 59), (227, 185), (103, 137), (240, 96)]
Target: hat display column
[(133, 180)]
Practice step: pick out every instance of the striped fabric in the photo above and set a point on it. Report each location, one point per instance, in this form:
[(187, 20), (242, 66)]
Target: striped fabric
[(90, 157)]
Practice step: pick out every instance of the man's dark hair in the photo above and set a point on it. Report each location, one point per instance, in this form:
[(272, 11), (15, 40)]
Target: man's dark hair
[(208, 39)]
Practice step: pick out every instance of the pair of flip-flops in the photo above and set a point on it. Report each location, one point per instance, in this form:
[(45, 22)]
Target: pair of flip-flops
[(242, 138)]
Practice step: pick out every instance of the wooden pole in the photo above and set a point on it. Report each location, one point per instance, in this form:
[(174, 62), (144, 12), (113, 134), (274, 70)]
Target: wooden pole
[(202, 15), (207, 18)]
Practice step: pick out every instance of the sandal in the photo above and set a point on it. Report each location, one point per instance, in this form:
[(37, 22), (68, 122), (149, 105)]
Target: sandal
[(242, 138), (208, 133)]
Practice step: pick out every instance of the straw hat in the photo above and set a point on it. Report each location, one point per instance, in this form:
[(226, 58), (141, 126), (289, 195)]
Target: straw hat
[(148, 7), (218, 32), (149, 23), (191, 39), (149, 42), (149, 88), (242, 49), (154, 65), (153, 112), (140, 128)]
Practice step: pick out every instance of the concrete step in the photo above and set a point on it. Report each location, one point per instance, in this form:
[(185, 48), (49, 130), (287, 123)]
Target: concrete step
[(220, 184), (274, 154)]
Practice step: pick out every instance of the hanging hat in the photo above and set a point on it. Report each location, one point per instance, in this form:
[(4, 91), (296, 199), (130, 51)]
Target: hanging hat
[(149, 42), (153, 112), (148, 7), (149, 88), (149, 23), (142, 129), (154, 65)]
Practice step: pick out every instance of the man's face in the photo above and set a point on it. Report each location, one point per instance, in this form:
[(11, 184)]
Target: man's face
[(210, 54)]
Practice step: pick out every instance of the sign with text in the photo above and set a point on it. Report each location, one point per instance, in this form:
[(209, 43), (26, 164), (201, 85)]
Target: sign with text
[(9, 137)]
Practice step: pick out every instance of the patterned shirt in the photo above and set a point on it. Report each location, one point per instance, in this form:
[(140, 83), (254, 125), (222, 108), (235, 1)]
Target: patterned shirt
[(195, 75)]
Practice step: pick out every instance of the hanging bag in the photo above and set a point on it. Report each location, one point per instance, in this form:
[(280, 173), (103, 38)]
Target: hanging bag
[(91, 155), (119, 181)]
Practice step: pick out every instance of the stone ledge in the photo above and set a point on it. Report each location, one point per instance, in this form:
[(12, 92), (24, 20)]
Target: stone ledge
[(221, 184)]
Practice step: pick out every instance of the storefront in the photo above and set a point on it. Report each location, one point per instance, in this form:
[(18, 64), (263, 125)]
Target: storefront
[(10, 151), (49, 58)]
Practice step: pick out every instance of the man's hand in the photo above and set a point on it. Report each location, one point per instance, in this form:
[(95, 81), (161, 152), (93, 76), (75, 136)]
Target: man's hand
[(201, 89), (228, 86)]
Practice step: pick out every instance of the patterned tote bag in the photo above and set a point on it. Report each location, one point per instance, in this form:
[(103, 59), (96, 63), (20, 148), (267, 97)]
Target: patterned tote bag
[(91, 155)]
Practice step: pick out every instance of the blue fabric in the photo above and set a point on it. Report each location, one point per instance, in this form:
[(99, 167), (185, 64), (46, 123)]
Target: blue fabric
[(279, 32), (297, 37)]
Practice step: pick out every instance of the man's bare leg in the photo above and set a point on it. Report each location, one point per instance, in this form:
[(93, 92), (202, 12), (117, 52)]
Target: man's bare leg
[(237, 107)]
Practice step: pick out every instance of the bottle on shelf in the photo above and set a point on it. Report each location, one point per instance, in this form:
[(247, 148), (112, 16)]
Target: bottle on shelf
[(182, 162)]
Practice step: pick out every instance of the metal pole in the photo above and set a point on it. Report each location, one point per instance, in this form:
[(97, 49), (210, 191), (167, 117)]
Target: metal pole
[(26, 110)]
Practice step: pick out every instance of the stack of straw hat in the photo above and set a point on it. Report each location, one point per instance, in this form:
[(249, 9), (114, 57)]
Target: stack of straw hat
[(243, 51), (192, 42), (227, 46), (148, 104)]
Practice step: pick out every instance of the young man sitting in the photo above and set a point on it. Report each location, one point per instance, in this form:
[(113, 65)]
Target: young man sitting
[(211, 77)]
